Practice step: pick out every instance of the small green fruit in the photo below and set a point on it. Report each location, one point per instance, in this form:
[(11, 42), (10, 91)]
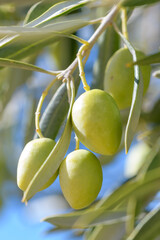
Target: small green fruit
[(80, 176), (119, 79), (97, 122), (31, 159)]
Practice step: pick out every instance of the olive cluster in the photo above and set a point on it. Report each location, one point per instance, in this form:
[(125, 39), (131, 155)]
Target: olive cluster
[(97, 123)]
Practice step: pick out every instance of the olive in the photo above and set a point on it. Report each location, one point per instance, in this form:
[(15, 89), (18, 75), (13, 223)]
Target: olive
[(80, 176), (31, 159), (97, 122), (119, 79)]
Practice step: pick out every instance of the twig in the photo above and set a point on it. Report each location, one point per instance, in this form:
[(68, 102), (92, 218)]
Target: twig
[(38, 111), (107, 20)]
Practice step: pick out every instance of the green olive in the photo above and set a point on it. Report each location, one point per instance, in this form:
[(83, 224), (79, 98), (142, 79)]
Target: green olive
[(80, 176), (97, 122), (31, 159), (119, 79)]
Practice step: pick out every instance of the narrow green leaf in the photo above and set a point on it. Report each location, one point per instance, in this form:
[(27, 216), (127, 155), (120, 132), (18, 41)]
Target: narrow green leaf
[(18, 47), (56, 111), (36, 10), (135, 3), (137, 97), (53, 161), (57, 10), (148, 228), (134, 188), (151, 159), (54, 29), (22, 65), (137, 187), (154, 58), (115, 231), (13, 78), (19, 2), (79, 219)]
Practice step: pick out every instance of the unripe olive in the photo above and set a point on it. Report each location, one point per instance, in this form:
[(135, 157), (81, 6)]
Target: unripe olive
[(31, 159), (80, 176), (97, 122), (119, 79)]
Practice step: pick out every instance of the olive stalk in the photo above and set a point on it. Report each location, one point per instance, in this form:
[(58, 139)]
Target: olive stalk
[(38, 111), (77, 142), (124, 23), (86, 48)]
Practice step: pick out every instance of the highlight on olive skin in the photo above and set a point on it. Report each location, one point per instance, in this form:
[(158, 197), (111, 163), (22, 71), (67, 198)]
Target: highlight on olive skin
[(80, 176), (119, 79), (97, 122), (31, 159)]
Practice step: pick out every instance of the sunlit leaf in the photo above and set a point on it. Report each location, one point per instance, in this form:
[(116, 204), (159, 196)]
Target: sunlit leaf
[(17, 47), (151, 161), (148, 227), (22, 65), (81, 219), (36, 10), (19, 2), (57, 10), (114, 231), (135, 3), (154, 58), (137, 97), (136, 187)]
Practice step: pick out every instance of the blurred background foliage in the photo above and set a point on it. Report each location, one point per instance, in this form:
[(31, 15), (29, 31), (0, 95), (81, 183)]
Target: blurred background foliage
[(21, 89)]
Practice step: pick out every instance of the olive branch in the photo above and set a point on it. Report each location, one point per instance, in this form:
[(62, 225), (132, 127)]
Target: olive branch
[(79, 61)]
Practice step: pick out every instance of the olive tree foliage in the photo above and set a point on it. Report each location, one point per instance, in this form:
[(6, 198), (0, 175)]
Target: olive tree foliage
[(35, 32)]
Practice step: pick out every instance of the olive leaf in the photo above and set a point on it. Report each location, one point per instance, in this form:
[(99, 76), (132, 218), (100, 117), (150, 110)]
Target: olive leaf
[(22, 65), (151, 59), (53, 161), (19, 2), (136, 187), (20, 46), (137, 96), (79, 219), (135, 3), (55, 11), (148, 227), (150, 158), (36, 10), (56, 111), (114, 231)]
